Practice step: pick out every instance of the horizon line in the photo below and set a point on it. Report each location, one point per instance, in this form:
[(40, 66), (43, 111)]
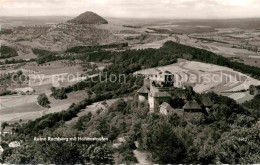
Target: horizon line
[(160, 18)]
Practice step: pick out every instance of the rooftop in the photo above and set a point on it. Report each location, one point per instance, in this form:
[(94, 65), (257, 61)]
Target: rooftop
[(161, 94), (166, 106), (7, 129), (207, 102), (143, 90), (25, 89), (192, 105)]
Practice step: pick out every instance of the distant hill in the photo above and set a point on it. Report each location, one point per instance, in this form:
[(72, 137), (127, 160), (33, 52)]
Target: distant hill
[(88, 18)]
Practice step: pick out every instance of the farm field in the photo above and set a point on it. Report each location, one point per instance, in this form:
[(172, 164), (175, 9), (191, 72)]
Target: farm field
[(14, 108), (235, 43), (43, 77), (25, 107), (224, 49), (230, 39), (60, 105), (240, 97), (207, 77), (73, 90), (239, 43)]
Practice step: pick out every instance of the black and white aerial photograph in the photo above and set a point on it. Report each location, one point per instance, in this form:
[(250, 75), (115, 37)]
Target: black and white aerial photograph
[(129, 82)]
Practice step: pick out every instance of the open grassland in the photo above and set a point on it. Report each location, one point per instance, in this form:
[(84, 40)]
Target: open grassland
[(9, 101), (55, 67), (14, 108), (59, 105), (240, 97)]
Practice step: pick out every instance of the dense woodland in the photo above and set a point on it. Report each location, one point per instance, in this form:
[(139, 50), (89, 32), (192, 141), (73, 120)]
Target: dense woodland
[(43, 100), (84, 49), (129, 61), (14, 61), (5, 31), (254, 104), (132, 60), (44, 56), (228, 133), (7, 52)]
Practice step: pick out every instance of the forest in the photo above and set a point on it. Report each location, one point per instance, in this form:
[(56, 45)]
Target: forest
[(129, 61), (227, 133), (7, 52), (83, 49), (44, 56)]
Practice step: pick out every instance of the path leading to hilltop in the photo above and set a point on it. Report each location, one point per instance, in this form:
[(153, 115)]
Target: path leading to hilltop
[(96, 106), (141, 157)]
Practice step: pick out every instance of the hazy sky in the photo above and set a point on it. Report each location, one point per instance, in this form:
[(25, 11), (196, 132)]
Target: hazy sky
[(134, 8)]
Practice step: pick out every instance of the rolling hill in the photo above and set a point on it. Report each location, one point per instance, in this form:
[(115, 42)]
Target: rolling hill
[(88, 18)]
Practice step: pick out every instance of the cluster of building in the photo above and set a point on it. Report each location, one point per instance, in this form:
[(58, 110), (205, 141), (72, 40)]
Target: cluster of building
[(25, 91), (156, 90), (7, 130)]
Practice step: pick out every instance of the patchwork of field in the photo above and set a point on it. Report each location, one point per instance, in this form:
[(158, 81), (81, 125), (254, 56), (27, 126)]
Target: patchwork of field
[(42, 78), (225, 49), (242, 44), (207, 77), (25, 107)]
